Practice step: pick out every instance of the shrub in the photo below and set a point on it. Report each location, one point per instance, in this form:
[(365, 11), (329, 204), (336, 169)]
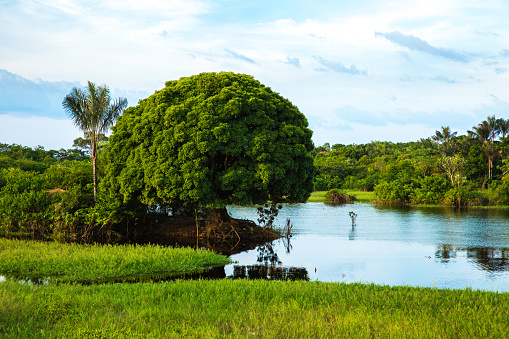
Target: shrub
[(464, 197), (338, 197), (393, 192), (432, 190)]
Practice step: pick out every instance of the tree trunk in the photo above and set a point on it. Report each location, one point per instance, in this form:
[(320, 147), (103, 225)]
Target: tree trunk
[(94, 157), (221, 215)]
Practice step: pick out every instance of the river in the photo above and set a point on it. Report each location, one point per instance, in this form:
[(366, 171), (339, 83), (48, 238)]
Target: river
[(414, 246)]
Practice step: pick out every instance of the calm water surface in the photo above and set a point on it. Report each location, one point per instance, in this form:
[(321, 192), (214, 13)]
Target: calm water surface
[(429, 247)]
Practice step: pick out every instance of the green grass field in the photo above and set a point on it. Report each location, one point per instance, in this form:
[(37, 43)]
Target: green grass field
[(217, 308), (248, 309), (59, 262), (361, 196)]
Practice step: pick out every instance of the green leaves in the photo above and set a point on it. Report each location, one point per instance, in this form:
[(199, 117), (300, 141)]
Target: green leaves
[(211, 139)]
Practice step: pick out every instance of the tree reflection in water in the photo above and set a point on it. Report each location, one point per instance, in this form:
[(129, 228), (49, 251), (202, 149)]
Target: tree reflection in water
[(490, 259), (270, 267)]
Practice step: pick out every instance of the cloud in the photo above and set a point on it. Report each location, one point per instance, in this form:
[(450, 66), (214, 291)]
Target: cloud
[(293, 61), (21, 97), (416, 44), (444, 79), (319, 123), (239, 56), (339, 67), (489, 33), (500, 70), (439, 78), (404, 116), (504, 52)]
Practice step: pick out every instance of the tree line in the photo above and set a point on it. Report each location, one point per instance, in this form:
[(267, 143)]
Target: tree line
[(191, 148), (214, 139), (445, 168)]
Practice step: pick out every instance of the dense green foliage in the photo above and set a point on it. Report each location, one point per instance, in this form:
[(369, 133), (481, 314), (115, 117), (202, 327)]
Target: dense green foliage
[(249, 308), (208, 140), (57, 262), (51, 196), (443, 169)]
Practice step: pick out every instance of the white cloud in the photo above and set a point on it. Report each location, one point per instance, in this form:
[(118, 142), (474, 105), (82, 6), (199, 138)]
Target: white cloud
[(138, 45)]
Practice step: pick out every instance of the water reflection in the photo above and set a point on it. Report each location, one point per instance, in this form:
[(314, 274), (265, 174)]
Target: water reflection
[(490, 259), (351, 234), (269, 272), (493, 260), (445, 253), (423, 246), (269, 266)]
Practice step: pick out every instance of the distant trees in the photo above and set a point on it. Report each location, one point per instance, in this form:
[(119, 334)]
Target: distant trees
[(486, 134), (446, 168), (45, 192), (92, 111)]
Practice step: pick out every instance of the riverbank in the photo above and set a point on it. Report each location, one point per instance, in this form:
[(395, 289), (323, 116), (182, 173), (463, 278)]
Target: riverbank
[(369, 197), (361, 196), (248, 308)]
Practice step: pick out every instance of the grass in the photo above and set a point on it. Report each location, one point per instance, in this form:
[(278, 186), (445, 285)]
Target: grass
[(58, 262), (248, 308), (361, 196)]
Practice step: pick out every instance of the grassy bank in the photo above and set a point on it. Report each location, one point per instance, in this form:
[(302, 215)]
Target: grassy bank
[(99, 263), (244, 308), (361, 196)]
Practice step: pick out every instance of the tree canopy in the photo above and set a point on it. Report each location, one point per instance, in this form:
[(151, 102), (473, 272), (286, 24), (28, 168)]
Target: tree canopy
[(210, 140)]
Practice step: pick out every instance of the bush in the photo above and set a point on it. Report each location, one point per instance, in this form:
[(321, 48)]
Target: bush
[(24, 202), (432, 190), (393, 192), (464, 197), (58, 202), (338, 197)]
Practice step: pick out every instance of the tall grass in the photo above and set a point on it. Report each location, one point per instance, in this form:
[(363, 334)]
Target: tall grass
[(244, 308), (58, 262)]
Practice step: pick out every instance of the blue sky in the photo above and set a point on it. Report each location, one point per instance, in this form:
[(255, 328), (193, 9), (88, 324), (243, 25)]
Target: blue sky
[(359, 70)]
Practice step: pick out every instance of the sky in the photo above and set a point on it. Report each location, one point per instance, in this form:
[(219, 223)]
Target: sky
[(360, 71)]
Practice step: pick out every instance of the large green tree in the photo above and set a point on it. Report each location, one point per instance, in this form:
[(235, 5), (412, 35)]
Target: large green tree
[(92, 110), (210, 140)]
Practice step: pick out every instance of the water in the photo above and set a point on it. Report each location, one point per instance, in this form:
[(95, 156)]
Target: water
[(428, 247)]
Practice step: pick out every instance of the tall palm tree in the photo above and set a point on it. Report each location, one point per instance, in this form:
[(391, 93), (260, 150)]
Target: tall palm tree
[(485, 133), (481, 132), (92, 111), (443, 136), (504, 127), (494, 127)]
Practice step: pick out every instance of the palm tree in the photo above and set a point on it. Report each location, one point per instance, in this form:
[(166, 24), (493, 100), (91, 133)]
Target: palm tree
[(443, 136), (481, 132), (442, 139), (91, 110), (504, 127), (494, 127), (485, 133)]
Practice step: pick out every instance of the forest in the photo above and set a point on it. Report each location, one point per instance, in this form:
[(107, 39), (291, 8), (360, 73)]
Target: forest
[(217, 139), (444, 169)]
